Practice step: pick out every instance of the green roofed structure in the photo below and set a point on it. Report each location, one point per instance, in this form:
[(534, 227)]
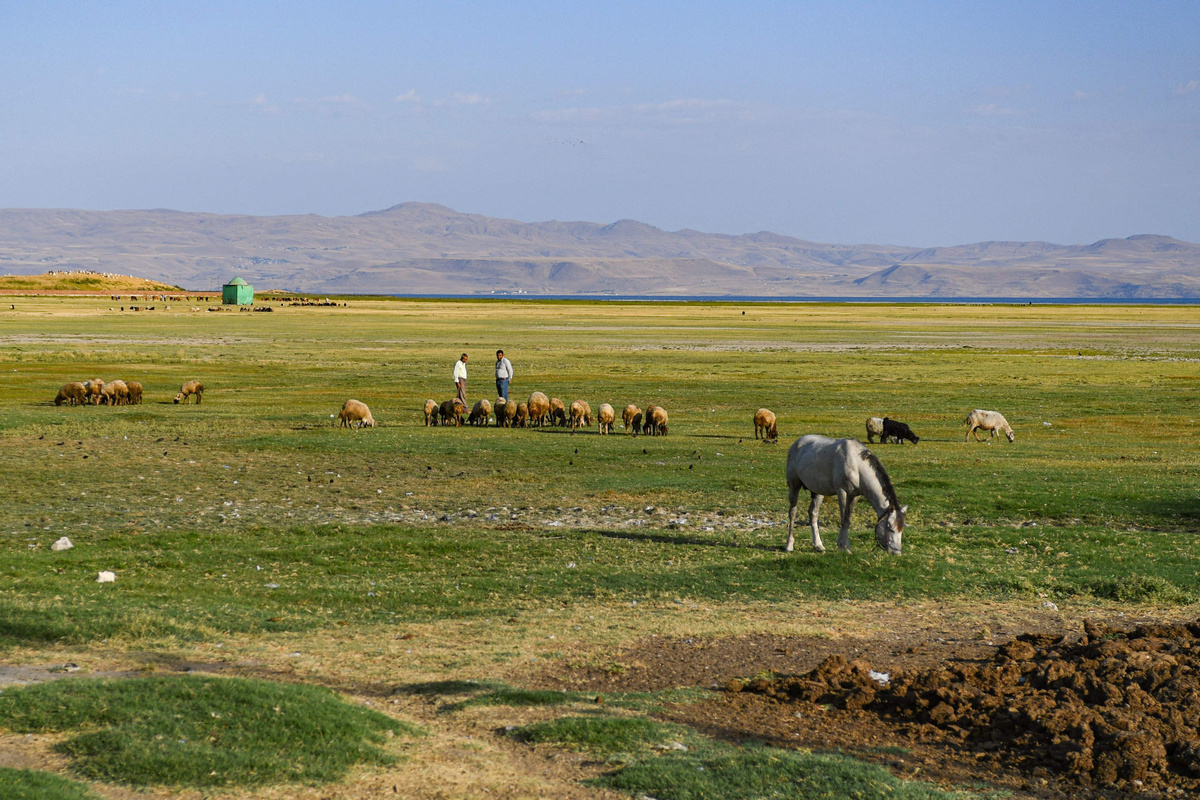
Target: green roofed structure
[(237, 293)]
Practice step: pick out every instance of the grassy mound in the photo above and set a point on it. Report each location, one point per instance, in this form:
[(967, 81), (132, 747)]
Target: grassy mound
[(82, 282), (25, 784), (670, 762), (192, 731)]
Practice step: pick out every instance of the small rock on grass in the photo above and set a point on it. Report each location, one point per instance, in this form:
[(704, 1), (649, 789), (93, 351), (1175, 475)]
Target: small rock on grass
[(62, 544), (106, 577)]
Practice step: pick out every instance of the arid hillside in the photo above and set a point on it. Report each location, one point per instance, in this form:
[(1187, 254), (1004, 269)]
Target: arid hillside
[(420, 248)]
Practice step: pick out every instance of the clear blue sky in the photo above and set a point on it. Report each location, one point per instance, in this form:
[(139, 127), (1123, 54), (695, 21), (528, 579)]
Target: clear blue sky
[(905, 123)]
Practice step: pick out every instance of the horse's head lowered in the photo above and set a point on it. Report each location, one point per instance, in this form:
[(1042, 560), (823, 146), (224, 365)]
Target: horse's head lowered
[(890, 528)]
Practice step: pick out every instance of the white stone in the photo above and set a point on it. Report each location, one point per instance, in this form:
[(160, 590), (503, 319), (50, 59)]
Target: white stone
[(62, 544), (106, 577)]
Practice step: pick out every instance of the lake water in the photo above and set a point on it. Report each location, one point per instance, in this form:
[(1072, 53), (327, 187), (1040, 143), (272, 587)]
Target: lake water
[(642, 298)]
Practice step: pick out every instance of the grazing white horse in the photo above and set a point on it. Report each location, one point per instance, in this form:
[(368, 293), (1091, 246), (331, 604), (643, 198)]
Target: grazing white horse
[(844, 467)]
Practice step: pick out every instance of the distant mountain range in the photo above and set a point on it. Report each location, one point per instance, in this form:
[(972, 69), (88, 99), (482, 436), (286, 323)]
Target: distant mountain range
[(422, 248)]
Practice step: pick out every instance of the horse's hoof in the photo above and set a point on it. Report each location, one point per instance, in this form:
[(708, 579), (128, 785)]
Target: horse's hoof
[(787, 548), (818, 549), (844, 549)]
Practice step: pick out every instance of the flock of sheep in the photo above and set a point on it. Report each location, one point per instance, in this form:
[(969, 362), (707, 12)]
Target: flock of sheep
[(116, 393), (540, 411)]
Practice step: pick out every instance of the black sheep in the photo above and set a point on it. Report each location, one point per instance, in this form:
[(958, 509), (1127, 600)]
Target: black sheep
[(898, 431)]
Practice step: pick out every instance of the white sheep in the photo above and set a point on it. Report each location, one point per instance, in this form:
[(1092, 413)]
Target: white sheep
[(990, 421)]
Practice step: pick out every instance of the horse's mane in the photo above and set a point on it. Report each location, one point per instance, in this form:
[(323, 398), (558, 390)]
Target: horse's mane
[(885, 482)]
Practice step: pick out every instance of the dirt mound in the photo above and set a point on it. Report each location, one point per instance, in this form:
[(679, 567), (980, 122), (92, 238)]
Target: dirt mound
[(1112, 709)]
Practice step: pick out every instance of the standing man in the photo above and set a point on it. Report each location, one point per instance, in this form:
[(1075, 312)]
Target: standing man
[(460, 378), (504, 374)]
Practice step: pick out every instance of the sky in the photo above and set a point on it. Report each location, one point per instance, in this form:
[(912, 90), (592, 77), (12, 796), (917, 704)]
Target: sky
[(909, 123)]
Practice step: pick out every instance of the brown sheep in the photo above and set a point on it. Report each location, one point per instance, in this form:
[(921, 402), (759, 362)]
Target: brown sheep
[(452, 412), (73, 394), (356, 415), (647, 425), (114, 393), (501, 421), (656, 421), (558, 412), (431, 413), (632, 417), (481, 413), (581, 415), (509, 409), (188, 389), (522, 415), (135, 393), (92, 389), (764, 422), (606, 415), (539, 407)]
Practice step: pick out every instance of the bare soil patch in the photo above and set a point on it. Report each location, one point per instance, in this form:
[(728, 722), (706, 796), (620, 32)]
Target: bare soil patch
[(1085, 708)]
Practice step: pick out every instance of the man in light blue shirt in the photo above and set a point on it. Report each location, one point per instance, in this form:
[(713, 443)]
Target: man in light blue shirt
[(504, 373)]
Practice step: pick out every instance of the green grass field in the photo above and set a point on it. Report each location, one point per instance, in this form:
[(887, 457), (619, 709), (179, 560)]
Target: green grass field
[(251, 521)]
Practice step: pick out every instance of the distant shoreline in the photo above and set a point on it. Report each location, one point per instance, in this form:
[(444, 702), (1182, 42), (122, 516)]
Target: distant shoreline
[(638, 298)]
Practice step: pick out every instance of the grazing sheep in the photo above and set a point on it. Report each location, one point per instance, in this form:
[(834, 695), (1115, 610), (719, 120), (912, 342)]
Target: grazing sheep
[(647, 425), (114, 393), (606, 415), (558, 412), (73, 394), (656, 421), (632, 417), (431, 413), (898, 432), (874, 428), (764, 422), (990, 421), (521, 416), (92, 390), (356, 415), (188, 389), (135, 393), (499, 408), (581, 415), (511, 410), (480, 413), (539, 407), (452, 412)]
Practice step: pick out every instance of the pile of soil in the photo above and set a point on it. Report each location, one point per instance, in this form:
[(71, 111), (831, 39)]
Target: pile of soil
[(1110, 710)]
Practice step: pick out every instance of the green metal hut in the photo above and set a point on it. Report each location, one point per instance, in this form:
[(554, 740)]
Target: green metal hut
[(237, 293)]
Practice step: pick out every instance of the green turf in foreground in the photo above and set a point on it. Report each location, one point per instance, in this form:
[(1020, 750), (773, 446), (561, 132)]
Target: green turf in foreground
[(202, 732), (25, 784), (653, 764)]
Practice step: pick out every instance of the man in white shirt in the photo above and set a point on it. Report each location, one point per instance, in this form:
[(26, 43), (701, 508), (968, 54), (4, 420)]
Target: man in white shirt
[(504, 373), (460, 378)]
